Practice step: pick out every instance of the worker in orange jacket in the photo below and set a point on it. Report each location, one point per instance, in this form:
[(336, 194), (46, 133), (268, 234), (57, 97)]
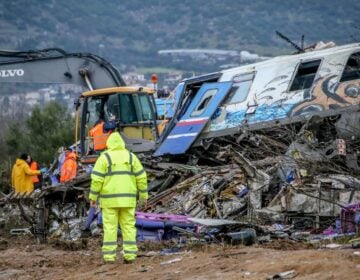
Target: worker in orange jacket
[(69, 168), (34, 166), (22, 175), (99, 136)]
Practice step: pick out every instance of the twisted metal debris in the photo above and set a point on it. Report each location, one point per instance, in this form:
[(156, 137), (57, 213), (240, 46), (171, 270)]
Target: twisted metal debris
[(301, 174)]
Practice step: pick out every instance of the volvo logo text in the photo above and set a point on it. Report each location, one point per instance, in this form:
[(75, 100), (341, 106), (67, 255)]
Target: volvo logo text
[(11, 73)]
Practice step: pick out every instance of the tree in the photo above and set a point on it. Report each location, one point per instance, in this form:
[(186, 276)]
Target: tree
[(15, 140), (48, 129), (42, 134)]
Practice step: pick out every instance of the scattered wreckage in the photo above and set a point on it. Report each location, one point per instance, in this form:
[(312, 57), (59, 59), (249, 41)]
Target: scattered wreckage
[(277, 195), (271, 148)]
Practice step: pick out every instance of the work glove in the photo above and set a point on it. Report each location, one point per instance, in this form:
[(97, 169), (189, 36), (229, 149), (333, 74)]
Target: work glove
[(93, 204), (43, 170)]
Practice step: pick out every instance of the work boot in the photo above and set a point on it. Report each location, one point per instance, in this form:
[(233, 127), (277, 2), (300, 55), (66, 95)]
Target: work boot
[(128, 261)]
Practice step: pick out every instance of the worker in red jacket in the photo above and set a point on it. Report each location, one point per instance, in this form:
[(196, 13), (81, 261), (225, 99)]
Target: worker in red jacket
[(69, 168)]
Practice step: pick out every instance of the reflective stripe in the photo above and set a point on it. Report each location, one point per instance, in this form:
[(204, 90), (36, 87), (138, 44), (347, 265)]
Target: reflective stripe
[(98, 174), (117, 195), (109, 162), (110, 172), (121, 173), (113, 173), (129, 242), (109, 243), (94, 193), (143, 191), (130, 252), (139, 173), (109, 252)]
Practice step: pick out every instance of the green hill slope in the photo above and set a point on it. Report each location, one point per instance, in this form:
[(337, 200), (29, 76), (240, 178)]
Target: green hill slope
[(131, 32)]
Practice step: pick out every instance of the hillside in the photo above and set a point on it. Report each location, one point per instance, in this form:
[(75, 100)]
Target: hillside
[(132, 32)]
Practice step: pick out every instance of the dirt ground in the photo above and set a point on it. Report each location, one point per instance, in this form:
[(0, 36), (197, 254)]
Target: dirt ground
[(21, 258)]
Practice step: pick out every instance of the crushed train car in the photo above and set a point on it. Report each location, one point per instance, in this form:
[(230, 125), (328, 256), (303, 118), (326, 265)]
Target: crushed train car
[(320, 84)]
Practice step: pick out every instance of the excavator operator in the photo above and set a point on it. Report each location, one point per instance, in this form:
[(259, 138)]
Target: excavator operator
[(104, 126), (98, 135)]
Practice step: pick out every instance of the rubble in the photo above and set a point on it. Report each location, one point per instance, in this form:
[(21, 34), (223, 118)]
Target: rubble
[(302, 175), (289, 182)]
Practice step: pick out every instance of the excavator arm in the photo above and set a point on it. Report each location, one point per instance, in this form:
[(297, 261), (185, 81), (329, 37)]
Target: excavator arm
[(57, 66)]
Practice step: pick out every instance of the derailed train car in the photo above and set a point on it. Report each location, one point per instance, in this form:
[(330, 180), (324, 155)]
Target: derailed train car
[(284, 90)]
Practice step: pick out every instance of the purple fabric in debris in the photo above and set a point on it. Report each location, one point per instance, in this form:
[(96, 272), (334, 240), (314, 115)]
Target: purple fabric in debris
[(329, 231), (54, 180), (347, 217), (161, 217), (151, 226)]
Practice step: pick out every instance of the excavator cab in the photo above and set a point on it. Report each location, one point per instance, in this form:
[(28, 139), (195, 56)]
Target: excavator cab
[(131, 108)]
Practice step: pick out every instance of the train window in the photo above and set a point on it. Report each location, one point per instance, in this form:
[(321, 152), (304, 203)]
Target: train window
[(305, 75), (240, 88), (352, 68), (204, 101)]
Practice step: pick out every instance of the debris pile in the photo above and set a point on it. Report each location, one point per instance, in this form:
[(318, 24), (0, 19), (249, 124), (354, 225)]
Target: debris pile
[(303, 177), (300, 177), (215, 192)]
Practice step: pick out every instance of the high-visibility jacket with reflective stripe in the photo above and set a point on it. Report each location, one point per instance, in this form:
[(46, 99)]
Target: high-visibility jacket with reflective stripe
[(118, 176)]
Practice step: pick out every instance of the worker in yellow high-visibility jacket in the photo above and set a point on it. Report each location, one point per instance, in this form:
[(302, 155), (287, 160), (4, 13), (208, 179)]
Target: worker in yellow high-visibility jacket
[(118, 179)]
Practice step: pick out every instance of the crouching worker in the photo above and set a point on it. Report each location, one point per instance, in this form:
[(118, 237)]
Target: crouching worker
[(117, 179)]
